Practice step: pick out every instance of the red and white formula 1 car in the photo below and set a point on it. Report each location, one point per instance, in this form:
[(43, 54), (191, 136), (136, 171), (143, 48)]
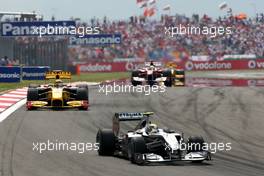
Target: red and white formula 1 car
[(154, 73)]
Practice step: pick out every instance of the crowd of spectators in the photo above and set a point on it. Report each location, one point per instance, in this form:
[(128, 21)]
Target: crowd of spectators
[(5, 61), (145, 38)]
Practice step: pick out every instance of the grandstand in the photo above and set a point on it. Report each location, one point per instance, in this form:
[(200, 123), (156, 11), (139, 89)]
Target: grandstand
[(146, 39)]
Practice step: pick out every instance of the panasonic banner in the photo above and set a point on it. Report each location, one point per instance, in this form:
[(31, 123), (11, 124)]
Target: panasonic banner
[(37, 28), (34, 73), (10, 74), (96, 40)]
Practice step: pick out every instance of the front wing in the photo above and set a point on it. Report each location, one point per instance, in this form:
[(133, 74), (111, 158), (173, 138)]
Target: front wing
[(154, 158), (70, 104)]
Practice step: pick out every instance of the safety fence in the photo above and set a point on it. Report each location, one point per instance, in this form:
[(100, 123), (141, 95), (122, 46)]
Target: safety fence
[(17, 73)]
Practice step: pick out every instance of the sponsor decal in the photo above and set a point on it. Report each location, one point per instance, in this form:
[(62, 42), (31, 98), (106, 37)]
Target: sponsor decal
[(98, 39), (109, 66), (252, 64), (9, 74), (37, 28), (130, 66), (225, 65), (97, 67), (34, 73), (189, 65), (208, 65), (258, 64)]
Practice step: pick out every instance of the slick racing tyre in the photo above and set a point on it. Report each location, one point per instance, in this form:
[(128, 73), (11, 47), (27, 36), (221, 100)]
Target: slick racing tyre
[(84, 86), (195, 144), (168, 75), (133, 82), (106, 140), (180, 77), (82, 94), (137, 147), (32, 95)]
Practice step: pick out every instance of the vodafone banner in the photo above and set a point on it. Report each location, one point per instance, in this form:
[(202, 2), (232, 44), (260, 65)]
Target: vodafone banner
[(225, 65), (108, 66), (241, 64)]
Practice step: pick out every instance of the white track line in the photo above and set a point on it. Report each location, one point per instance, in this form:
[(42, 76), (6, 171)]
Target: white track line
[(18, 92), (2, 109), (12, 109), (22, 90), (10, 99), (5, 104), (13, 95)]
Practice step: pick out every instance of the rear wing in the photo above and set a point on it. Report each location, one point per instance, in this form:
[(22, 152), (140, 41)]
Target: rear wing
[(57, 74), (128, 116), (156, 64), (131, 116), (171, 65)]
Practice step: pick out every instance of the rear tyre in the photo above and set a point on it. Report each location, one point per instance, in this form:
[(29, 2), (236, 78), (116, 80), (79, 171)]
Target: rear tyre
[(133, 82), (106, 140), (182, 79), (168, 82), (136, 148)]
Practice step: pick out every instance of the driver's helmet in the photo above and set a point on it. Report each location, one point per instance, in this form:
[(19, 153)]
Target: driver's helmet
[(152, 128), (58, 83)]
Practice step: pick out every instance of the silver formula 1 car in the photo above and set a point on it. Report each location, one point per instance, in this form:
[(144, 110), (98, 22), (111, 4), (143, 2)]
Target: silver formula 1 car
[(147, 143)]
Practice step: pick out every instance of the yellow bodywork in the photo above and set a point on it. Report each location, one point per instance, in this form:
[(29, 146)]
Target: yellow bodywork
[(57, 94)]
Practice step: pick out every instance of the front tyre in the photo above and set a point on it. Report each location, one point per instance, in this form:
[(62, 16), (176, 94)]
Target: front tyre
[(82, 95), (195, 144), (32, 95), (136, 149)]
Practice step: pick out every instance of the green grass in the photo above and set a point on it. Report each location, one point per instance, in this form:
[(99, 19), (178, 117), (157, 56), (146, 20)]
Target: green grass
[(89, 77)]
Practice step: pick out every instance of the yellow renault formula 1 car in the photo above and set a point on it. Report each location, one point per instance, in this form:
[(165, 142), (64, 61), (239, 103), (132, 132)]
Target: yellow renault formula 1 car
[(176, 75), (58, 95)]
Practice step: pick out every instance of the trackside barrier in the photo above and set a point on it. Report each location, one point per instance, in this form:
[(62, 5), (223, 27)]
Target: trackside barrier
[(17, 73), (34, 73), (242, 64), (10, 74), (108, 67)]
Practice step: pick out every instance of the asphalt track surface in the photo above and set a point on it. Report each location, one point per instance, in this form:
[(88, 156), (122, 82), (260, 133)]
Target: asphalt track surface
[(219, 114)]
